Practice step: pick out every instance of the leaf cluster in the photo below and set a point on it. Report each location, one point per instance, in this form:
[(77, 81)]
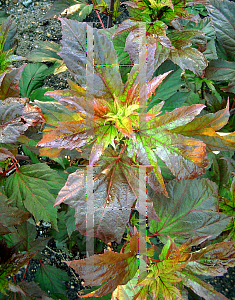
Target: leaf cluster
[(140, 146)]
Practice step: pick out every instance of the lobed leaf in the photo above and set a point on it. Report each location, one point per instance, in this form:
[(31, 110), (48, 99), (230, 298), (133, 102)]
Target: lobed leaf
[(32, 188), (212, 260), (51, 279), (107, 79), (115, 189), (222, 16), (191, 210), (115, 268), (185, 157)]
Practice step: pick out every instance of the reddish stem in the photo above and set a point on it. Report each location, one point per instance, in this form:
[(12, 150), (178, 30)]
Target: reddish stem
[(133, 205), (124, 246), (26, 270), (123, 149), (14, 161), (14, 280), (5, 172), (233, 105), (98, 15)]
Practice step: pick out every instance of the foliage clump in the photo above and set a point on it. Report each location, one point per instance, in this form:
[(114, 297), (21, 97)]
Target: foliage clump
[(144, 132)]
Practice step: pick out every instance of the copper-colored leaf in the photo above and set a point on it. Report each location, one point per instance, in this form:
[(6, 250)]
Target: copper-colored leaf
[(213, 260), (204, 128), (106, 77), (115, 268)]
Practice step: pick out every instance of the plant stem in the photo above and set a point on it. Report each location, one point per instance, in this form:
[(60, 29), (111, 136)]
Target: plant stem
[(98, 15), (124, 246), (110, 17), (26, 270)]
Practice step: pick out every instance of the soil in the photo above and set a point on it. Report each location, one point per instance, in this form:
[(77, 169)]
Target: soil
[(30, 32)]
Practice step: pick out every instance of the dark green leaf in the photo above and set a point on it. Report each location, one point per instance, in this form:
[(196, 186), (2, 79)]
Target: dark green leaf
[(52, 279), (32, 78), (220, 70), (171, 92)]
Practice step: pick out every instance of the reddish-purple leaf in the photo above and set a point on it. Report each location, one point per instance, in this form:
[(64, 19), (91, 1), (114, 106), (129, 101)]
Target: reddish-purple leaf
[(115, 189), (9, 83), (106, 77), (10, 216), (191, 210), (4, 154), (15, 117)]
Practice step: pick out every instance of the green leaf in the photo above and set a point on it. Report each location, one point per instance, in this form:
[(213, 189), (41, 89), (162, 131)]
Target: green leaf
[(47, 52), (29, 153), (32, 186), (127, 291), (27, 235), (52, 279), (171, 92), (221, 173), (80, 11), (32, 78), (220, 70), (105, 136), (222, 16), (191, 210)]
